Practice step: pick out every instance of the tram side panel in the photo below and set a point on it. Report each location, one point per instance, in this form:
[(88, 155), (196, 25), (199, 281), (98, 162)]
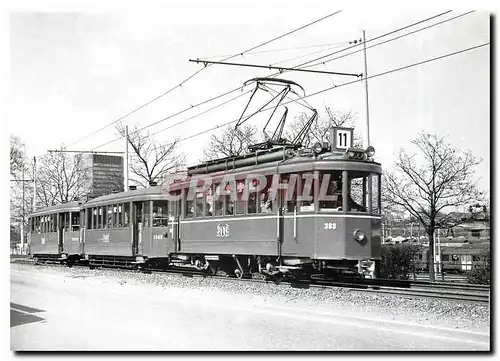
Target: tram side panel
[(44, 243), (367, 248), (156, 242), (244, 236), (111, 242), (299, 235), (329, 237), (71, 242)]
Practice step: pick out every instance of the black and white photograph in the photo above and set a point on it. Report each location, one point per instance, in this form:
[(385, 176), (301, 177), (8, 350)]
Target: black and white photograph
[(249, 176)]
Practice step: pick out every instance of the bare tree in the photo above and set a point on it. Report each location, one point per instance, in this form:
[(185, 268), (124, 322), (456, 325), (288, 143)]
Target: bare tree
[(21, 194), (230, 142), (322, 125), (61, 177), (17, 155), (431, 184), (151, 161)]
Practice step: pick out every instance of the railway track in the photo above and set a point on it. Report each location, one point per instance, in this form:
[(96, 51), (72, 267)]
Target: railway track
[(406, 288)]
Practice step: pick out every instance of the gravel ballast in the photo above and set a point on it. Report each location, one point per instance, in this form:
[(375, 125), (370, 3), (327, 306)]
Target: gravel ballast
[(443, 313)]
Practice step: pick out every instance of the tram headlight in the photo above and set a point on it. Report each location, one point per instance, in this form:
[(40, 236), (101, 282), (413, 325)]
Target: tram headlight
[(370, 151), (359, 235), (318, 148)]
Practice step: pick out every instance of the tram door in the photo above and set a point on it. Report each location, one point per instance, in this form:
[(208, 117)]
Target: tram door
[(60, 231), (174, 225), (280, 210), (137, 221)]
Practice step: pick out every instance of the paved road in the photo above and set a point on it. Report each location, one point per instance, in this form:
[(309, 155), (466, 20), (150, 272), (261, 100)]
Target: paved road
[(58, 311)]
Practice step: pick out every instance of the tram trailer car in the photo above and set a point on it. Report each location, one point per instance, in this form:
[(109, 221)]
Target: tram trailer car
[(127, 228), (454, 259), (285, 224), (55, 233)]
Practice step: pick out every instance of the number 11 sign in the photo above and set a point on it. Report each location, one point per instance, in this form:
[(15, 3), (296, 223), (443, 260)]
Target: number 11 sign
[(342, 138)]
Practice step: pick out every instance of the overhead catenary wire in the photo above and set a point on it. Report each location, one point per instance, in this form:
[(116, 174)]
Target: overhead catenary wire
[(345, 84), (197, 72), (278, 73), (199, 114), (283, 49), (375, 38), (389, 40)]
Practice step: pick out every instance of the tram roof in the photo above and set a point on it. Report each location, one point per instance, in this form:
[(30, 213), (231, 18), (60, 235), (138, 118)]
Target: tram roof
[(149, 193), (58, 208)]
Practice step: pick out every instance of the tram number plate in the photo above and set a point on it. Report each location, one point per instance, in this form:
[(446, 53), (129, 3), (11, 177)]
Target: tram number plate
[(158, 237), (330, 225)]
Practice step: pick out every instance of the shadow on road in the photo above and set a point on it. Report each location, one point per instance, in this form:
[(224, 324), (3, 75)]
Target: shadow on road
[(20, 315)]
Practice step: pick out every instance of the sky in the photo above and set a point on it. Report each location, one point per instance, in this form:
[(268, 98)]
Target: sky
[(74, 68)]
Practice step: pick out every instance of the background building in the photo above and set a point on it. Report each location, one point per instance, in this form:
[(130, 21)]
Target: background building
[(105, 174)]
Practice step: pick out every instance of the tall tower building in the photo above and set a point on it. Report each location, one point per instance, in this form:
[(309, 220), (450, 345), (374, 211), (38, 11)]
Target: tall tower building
[(105, 174)]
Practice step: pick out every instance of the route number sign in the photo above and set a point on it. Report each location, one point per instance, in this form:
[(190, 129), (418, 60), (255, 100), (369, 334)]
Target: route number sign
[(343, 138)]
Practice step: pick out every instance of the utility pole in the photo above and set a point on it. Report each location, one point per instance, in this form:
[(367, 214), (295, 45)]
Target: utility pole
[(34, 184), (366, 93), (126, 158), (22, 217)]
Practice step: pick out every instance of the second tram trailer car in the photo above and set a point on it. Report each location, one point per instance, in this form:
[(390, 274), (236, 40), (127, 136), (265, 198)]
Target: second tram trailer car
[(55, 233)]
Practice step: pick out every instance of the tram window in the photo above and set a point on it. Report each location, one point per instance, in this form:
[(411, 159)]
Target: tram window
[(266, 201), (38, 229), (289, 195), (252, 203), (75, 221), (89, 218), (228, 202), (126, 214), (218, 201), (198, 204), (115, 214), (138, 212), (306, 192), (108, 221), (253, 196), (189, 208), (209, 199), (147, 214), (66, 221), (455, 257), (160, 213), (102, 214), (240, 204), (376, 201), (445, 257), (266, 205), (357, 192), (330, 191), (119, 216)]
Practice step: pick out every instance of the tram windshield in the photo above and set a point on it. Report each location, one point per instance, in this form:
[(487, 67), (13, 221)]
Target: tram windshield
[(359, 196)]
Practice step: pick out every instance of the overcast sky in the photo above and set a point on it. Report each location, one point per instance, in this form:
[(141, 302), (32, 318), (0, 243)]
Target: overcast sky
[(74, 69)]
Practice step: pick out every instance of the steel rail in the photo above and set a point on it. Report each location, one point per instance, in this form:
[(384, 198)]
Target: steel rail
[(442, 291)]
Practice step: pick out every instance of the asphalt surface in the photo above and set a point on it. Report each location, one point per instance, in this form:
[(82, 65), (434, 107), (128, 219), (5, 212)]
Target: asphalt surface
[(58, 311)]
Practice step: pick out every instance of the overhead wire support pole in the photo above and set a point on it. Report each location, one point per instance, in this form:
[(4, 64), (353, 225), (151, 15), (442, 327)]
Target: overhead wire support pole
[(366, 93), (34, 184), (126, 158), (206, 62)]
